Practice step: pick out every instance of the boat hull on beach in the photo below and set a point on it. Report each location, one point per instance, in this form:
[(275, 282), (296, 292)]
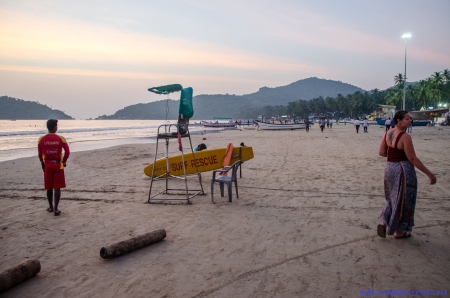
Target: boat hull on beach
[(209, 124), (415, 122), (290, 126)]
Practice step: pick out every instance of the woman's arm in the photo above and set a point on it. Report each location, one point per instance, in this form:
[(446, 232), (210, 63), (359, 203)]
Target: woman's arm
[(411, 154), (382, 149)]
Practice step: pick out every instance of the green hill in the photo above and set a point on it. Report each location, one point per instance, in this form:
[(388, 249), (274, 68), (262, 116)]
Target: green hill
[(209, 106), (12, 108)]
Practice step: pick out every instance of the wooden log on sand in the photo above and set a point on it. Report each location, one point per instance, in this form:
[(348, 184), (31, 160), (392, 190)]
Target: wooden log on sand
[(18, 274), (132, 244)]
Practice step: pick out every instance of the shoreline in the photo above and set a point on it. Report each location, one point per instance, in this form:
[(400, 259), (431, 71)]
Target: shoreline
[(304, 224), (80, 146)]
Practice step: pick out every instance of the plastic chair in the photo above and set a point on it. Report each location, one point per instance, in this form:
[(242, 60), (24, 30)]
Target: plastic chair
[(226, 180)]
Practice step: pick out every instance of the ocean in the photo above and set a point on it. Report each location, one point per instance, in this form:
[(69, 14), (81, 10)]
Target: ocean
[(19, 138)]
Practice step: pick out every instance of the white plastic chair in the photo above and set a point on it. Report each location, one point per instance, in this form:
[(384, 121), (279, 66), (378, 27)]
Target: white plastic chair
[(228, 180)]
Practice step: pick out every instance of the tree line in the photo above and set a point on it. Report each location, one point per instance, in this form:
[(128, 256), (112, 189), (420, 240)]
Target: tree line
[(429, 92)]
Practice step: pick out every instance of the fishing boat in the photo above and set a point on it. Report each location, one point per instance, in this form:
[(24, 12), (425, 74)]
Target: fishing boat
[(219, 124), (273, 126), (415, 122)]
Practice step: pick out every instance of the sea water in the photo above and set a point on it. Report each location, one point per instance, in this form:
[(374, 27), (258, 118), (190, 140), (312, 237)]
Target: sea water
[(19, 138)]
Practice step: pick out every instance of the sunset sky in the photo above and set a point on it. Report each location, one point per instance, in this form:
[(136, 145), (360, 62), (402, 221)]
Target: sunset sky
[(89, 58)]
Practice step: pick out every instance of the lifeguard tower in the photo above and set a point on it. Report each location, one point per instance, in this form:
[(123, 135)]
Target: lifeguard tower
[(178, 131)]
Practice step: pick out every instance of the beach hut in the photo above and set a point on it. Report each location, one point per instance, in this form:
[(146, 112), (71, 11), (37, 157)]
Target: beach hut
[(384, 112), (435, 115)]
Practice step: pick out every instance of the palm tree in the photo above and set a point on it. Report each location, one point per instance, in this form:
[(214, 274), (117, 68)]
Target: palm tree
[(330, 104), (342, 104), (437, 86), (318, 104), (394, 96), (446, 75), (399, 79), (396, 93), (354, 102), (411, 96), (291, 108), (438, 78)]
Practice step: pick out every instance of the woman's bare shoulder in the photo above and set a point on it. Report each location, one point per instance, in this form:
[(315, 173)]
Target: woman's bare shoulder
[(405, 140), (406, 136)]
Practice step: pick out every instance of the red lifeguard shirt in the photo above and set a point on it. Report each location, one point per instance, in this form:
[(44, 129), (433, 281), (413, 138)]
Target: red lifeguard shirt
[(50, 148)]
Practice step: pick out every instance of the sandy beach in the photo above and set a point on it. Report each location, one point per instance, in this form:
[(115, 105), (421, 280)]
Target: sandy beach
[(304, 224)]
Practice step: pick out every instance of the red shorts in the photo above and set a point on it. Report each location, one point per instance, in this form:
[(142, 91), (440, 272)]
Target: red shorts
[(54, 176)]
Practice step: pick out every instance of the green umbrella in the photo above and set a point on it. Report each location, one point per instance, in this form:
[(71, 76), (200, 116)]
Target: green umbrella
[(166, 89)]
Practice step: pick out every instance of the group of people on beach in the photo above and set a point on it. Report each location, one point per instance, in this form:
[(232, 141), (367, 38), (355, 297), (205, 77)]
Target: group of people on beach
[(400, 181), (365, 124), (328, 122)]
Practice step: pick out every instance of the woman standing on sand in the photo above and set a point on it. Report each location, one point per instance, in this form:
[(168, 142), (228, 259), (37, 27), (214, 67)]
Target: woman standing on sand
[(400, 181)]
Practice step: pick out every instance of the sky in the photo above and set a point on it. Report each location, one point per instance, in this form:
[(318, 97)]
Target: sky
[(91, 58)]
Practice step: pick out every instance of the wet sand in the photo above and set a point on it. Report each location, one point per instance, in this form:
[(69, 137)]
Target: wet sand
[(304, 224)]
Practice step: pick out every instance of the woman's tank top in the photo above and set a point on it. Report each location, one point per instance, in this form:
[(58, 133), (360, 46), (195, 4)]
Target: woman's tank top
[(394, 154)]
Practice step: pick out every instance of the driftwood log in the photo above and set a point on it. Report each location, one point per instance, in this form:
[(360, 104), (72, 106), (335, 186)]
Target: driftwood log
[(18, 274), (132, 244)]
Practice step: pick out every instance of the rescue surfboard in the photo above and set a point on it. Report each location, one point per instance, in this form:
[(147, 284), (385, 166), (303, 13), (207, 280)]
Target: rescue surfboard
[(207, 160)]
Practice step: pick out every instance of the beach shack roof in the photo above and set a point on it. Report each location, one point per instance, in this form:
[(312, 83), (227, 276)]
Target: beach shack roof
[(386, 111), (428, 114)]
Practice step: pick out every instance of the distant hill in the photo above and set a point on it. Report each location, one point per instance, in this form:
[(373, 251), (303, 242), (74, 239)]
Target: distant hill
[(12, 108), (220, 105), (304, 89)]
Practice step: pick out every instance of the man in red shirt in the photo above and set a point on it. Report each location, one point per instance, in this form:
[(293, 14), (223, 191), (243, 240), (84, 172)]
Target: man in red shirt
[(53, 162)]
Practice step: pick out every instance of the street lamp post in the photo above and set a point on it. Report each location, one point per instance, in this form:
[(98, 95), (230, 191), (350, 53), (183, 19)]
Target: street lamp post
[(405, 36)]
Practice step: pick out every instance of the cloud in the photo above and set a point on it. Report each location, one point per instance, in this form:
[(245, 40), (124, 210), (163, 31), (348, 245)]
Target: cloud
[(52, 42), (295, 23)]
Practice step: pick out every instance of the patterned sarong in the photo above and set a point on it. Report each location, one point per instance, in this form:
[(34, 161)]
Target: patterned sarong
[(400, 189)]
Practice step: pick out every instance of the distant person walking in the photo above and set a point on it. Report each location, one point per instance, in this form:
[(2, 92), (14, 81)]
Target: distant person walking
[(388, 124), (322, 124), (307, 124), (357, 124), (365, 124), (53, 162), (331, 123), (328, 122), (400, 181), (410, 126)]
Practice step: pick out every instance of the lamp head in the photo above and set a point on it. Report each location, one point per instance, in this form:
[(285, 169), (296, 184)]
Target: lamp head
[(406, 35)]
